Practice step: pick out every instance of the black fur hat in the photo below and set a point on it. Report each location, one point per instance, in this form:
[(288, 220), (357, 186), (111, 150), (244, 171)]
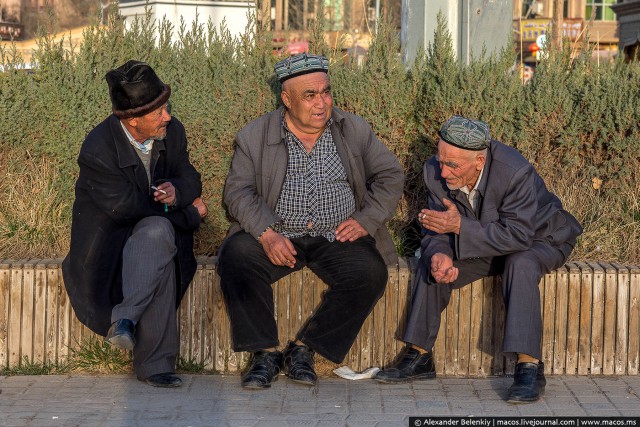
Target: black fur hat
[(136, 90)]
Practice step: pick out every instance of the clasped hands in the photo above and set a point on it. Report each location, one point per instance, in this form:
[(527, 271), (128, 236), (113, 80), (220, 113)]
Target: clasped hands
[(280, 250)]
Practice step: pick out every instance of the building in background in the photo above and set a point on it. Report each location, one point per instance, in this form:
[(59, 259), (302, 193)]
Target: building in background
[(234, 14), (10, 20), (349, 23), (628, 12), (20, 19), (475, 26), (595, 18)]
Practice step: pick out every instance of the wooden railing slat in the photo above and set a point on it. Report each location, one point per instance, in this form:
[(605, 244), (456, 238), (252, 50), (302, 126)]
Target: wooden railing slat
[(475, 330), (560, 323), (633, 358), (597, 319), (586, 299), (622, 320), (590, 312), (5, 286)]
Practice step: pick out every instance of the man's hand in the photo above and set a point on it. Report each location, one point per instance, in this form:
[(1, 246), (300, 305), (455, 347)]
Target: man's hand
[(278, 248), (165, 193), (441, 222), (350, 230), (442, 268), (202, 208)]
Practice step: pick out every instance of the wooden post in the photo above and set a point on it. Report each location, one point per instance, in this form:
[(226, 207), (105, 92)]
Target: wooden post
[(557, 24)]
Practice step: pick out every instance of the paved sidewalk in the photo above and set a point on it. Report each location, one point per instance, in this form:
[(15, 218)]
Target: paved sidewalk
[(217, 400)]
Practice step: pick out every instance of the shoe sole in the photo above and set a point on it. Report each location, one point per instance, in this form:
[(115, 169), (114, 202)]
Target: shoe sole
[(406, 380), (258, 386), (520, 401), (534, 399), (303, 382), (168, 385), (121, 342)]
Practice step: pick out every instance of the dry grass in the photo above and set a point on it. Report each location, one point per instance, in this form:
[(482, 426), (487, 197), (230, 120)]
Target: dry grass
[(34, 216), (610, 217), (32, 223)]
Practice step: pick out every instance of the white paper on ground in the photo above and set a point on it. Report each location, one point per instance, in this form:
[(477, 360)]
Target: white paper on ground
[(348, 374)]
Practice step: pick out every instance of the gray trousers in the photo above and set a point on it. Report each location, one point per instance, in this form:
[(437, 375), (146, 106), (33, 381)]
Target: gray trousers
[(149, 296), (521, 273)]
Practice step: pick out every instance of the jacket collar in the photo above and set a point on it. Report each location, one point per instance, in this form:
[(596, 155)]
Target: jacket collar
[(126, 153), (276, 134)]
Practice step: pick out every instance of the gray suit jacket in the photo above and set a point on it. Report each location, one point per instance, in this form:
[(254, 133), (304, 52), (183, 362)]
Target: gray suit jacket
[(514, 209), (259, 167)]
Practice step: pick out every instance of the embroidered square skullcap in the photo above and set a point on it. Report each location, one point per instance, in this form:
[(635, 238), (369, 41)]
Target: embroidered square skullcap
[(298, 65), (466, 133)]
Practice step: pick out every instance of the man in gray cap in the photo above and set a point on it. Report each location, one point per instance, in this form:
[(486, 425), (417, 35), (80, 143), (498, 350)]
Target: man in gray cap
[(309, 185), (137, 206), (488, 213)]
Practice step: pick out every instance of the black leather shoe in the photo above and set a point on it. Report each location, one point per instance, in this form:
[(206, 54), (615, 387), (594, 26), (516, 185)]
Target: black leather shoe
[(412, 365), (264, 369), (166, 380), (528, 383), (298, 364), (121, 334)]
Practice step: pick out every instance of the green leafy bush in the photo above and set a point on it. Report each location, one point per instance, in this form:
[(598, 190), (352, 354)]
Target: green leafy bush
[(577, 121)]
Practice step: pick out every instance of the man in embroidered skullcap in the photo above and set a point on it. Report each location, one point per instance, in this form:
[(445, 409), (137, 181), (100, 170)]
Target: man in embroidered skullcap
[(137, 206), (309, 185), (488, 214)]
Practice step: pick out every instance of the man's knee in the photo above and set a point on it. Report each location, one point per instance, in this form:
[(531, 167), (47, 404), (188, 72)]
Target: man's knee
[(155, 230), (521, 262), (236, 252)]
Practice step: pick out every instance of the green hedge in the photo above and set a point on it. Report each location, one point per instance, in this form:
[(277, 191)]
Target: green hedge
[(577, 121)]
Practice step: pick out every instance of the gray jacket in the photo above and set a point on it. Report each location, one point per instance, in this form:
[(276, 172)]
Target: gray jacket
[(259, 167), (514, 209)]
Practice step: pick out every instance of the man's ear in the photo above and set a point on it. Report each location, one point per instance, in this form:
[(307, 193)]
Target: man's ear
[(285, 99), (480, 161), (133, 122)]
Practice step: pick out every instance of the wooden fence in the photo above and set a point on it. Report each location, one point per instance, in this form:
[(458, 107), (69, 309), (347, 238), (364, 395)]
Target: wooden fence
[(591, 320)]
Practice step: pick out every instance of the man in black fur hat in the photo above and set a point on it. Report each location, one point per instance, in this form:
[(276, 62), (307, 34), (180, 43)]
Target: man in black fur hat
[(137, 206)]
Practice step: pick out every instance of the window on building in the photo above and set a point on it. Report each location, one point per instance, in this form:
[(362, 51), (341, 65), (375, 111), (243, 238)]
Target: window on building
[(601, 10), (528, 8)]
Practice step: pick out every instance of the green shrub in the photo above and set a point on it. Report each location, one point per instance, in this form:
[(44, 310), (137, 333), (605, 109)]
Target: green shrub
[(577, 121)]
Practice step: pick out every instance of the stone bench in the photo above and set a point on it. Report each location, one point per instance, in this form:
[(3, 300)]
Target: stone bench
[(591, 320)]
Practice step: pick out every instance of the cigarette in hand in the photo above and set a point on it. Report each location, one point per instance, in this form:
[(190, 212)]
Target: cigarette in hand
[(157, 189)]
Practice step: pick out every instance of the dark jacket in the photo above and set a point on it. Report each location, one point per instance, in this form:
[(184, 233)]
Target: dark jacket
[(112, 195), (259, 167), (514, 209)]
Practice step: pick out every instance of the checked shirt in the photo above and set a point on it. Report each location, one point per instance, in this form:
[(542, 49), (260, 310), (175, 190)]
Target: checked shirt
[(316, 196)]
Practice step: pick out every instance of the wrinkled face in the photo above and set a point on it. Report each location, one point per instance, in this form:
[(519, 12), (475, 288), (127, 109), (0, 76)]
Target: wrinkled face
[(152, 125), (459, 167), (308, 101)]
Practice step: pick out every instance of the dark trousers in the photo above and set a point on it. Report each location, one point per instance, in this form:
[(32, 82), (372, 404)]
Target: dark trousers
[(149, 296), (521, 273), (354, 271)]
